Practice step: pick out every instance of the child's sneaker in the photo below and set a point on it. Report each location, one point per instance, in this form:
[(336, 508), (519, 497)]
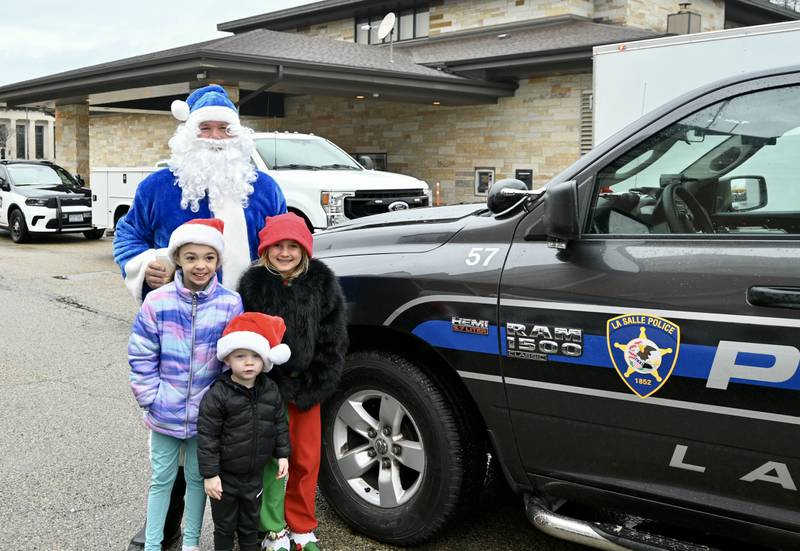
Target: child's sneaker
[(276, 541), (305, 542)]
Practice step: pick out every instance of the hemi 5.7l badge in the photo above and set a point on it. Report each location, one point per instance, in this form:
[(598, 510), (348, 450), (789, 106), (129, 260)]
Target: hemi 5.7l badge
[(644, 350), (469, 325)]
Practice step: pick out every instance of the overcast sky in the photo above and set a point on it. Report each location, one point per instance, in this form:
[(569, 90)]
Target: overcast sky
[(50, 36)]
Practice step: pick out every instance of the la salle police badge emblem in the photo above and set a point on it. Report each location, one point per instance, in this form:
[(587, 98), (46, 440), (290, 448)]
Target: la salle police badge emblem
[(644, 350)]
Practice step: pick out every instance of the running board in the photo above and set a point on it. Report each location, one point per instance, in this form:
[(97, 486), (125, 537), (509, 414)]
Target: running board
[(610, 537)]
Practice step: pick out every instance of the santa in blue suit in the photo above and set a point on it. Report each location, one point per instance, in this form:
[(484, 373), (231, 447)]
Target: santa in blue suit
[(209, 176)]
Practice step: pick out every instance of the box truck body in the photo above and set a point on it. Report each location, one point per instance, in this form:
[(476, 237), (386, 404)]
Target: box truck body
[(633, 78)]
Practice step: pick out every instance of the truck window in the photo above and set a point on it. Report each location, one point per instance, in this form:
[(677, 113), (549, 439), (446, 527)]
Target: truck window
[(737, 158), (304, 154)]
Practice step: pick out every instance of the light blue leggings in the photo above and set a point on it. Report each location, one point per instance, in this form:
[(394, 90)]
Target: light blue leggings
[(164, 454)]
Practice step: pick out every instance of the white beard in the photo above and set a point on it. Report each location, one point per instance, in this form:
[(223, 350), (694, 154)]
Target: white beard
[(220, 169)]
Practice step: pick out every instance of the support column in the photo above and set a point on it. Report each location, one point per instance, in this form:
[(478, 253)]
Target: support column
[(31, 136), (72, 138), (11, 144)]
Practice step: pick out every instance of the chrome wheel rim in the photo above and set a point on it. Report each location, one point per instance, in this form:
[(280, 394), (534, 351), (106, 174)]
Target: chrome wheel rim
[(378, 447)]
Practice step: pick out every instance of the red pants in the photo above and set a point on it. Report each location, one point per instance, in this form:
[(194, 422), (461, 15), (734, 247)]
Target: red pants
[(298, 505)]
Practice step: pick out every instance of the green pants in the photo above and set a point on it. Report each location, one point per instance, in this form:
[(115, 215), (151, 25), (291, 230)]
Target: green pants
[(271, 516)]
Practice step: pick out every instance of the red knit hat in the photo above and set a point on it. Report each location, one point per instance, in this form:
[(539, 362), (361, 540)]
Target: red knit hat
[(285, 226), (257, 332), (203, 231)]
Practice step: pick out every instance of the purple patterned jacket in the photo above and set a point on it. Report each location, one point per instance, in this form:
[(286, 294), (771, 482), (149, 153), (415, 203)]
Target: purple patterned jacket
[(172, 352)]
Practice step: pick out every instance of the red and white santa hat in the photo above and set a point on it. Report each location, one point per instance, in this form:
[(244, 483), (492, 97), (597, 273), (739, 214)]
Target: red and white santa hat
[(203, 231), (257, 332)]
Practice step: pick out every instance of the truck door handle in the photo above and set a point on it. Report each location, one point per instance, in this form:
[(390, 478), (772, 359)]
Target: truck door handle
[(774, 297)]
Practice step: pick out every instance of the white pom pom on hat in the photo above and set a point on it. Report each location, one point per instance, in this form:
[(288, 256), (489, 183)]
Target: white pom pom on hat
[(280, 354), (180, 110)]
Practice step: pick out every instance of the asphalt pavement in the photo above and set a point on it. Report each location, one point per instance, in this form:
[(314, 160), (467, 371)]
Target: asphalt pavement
[(74, 467)]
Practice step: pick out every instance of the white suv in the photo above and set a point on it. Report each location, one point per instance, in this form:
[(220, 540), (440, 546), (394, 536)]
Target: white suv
[(41, 197), (327, 186)]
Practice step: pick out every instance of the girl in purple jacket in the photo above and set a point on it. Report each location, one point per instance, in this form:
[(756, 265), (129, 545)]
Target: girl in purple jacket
[(172, 353)]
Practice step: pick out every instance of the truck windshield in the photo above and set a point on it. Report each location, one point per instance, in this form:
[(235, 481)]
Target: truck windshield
[(38, 175), (303, 154)]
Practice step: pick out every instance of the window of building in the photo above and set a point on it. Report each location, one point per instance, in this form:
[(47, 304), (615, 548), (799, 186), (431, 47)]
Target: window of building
[(409, 24), (484, 178), (39, 138), (406, 24), (379, 159), (421, 22), (3, 140), (22, 142)]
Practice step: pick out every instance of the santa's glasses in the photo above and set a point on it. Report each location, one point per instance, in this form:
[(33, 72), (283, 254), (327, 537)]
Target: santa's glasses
[(215, 130)]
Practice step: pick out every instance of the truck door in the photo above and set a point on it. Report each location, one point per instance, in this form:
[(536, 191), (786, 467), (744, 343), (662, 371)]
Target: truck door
[(657, 355)]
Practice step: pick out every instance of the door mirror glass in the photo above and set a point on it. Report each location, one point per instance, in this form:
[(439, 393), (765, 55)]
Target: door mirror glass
[(742, 193), (561, 211)]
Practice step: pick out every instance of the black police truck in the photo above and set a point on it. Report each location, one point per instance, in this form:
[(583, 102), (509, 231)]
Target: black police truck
[(624, 344)]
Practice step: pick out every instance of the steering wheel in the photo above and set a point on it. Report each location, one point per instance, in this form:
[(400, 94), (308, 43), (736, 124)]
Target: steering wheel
[(679, 221)]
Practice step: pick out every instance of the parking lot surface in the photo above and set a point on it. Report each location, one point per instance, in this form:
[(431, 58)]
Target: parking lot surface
[(74, 466)]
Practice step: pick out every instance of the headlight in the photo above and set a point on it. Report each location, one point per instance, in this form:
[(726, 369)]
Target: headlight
[(333, 204), (36, 202)]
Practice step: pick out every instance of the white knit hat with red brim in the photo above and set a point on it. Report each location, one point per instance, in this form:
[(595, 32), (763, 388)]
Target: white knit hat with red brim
[(257, 332), (202, 231)]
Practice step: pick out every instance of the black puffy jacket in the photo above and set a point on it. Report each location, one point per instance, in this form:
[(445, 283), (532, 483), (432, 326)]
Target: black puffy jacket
[(239, 429)]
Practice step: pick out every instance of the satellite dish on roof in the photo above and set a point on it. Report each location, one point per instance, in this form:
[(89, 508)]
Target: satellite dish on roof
[(387, 25)]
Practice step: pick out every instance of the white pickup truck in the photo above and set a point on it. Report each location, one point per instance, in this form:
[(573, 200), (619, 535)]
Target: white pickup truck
[(321, 182)]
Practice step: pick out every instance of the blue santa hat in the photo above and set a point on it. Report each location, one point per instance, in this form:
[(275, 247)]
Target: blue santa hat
[(209, 103)]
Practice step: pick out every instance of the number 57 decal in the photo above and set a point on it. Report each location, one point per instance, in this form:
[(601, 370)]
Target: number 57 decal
[(478, 255)]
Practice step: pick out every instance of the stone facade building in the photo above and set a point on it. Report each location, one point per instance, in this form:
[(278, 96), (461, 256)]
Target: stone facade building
[(470, 90)]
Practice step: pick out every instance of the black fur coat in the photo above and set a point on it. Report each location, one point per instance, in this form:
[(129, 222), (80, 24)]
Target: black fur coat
[(316, 330)]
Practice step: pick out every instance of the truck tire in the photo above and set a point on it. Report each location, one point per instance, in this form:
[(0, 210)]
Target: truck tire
[(394, 463), (94, 235), (18, 227)]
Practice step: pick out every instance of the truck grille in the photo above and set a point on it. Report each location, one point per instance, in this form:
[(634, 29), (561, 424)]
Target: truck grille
[(78, 200), (365, 203)]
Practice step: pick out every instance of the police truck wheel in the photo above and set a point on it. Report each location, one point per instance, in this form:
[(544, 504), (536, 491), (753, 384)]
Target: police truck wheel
[(394, 462), (18, 227), (94, 235)]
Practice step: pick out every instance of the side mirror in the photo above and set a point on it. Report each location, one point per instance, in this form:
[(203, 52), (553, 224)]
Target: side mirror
[(560, 217), (80, 180), (5, 186), (504, 194), (741, 193), (366, 162)]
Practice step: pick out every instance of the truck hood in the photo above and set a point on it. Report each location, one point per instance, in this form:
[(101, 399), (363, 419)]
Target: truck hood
[(411, 231), (346, 180), (52, 191)]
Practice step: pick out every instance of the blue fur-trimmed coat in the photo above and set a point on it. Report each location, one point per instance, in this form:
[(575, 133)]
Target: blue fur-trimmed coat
[(156, 212), (316, 328)]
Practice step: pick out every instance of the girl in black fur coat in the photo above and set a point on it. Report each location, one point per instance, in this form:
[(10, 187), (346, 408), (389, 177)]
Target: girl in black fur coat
[(287, 282)]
